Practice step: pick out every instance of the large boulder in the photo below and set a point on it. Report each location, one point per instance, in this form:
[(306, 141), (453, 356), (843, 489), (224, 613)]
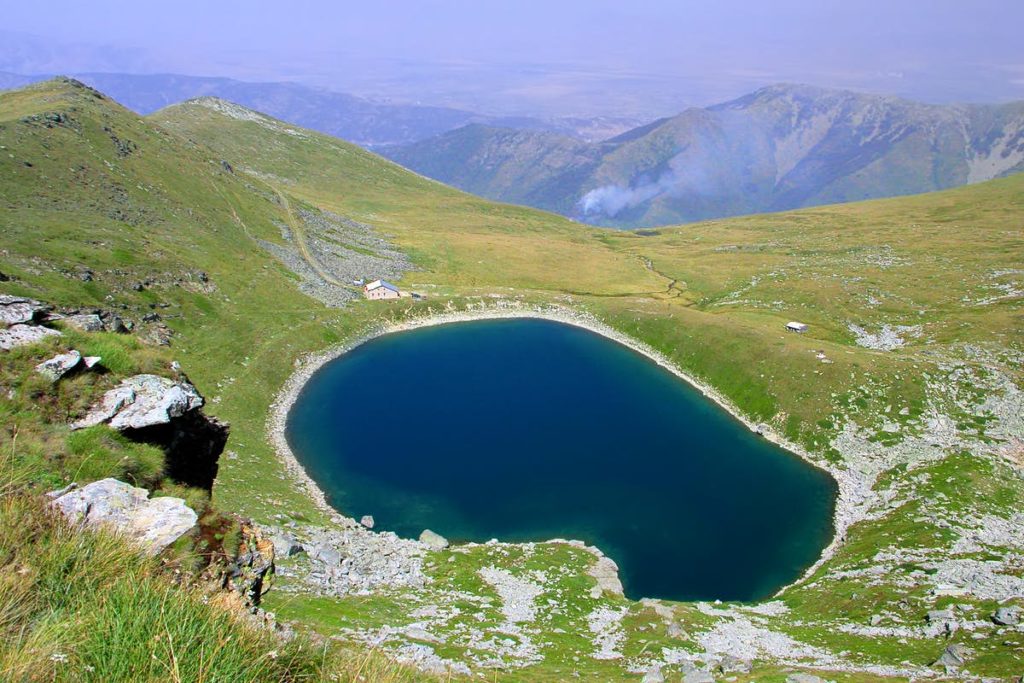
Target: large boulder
[(142, 401), (153, 523), (59, 365), (433, 540), (18, 309), (20, 335)]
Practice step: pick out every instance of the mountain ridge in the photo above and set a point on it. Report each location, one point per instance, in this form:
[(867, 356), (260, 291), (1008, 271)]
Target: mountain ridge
[(366, 122), (781, 147)]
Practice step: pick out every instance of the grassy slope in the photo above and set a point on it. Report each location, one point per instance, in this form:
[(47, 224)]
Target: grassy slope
[(712, 296)]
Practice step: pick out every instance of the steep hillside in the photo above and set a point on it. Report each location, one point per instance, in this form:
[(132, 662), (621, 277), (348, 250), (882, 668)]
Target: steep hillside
[(779, 148), (241, 233)]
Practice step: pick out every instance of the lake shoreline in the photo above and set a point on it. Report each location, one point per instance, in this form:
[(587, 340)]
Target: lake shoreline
[(845, 509)]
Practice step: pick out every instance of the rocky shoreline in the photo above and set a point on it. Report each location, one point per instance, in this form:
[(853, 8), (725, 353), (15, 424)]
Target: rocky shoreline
[(851, 487)]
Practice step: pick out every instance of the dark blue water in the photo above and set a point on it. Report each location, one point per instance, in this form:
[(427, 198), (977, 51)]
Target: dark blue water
[(530, 430)]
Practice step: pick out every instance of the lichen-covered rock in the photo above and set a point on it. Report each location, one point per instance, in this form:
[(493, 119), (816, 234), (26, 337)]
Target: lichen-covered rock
[(433, 540), (59, 365), (142, 401), (152, 523), (367, 521), (20, 335), (86, 322), (18, 309)]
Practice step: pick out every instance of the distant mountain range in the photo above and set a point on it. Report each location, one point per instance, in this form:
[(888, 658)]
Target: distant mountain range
[(364, 122), (781, 147)]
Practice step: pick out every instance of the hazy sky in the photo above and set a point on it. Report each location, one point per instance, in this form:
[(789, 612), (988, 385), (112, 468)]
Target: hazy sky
[(654, 55)]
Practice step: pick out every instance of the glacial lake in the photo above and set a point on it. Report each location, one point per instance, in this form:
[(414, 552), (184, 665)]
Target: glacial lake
[(527, 430)]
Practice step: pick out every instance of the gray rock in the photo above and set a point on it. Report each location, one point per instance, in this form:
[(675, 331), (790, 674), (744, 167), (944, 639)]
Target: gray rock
[(875, 620), (804, 678), (326, 554), (607, 574), (731, 664), (953, 657), (91, 361), (142, 401), (86, 322), (697, 676), (285, 545), (152, 523), (59, 365), (938, 616), (367, 521), (433, 541), (20, 335), (654, 676), (18, 309), (1007, 616), (115, 324)]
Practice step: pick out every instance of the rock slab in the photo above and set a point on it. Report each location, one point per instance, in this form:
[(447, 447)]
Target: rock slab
[(59, 365), (152, 523), (21, 335)]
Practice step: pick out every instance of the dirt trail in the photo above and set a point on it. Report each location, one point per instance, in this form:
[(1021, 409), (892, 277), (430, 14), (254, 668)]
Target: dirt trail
[(299, 234)]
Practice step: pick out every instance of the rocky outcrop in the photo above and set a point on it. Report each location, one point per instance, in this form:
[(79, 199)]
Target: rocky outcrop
[(253, 568), (16, 310), (21, 335), (142, 401), (165, 412), (153, 523), (606, 572)]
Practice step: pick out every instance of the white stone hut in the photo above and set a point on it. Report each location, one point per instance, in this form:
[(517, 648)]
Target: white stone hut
[(380, 290)]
